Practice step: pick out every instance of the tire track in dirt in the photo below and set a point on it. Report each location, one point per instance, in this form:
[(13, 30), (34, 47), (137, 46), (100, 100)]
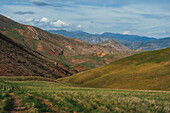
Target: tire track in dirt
[(46, 102), (17, 104)]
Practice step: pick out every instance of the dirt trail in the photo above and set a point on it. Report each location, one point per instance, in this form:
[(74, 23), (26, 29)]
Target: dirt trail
[(46, 102), (17, 104)]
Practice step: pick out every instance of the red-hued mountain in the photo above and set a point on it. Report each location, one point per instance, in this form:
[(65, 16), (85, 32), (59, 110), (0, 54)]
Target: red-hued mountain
[(16, 60), (76, 54)]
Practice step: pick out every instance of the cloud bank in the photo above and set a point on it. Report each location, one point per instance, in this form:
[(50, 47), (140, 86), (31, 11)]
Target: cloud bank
[(24, 13), (42, 3)]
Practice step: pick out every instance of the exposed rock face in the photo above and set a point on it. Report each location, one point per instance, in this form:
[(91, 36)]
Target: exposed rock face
[(115, 45), (35, 34), (16, 60), (100, 54)]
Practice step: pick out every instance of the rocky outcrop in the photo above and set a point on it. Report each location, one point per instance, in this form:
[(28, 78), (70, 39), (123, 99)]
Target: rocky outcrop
[(100, 54), (115, 44)]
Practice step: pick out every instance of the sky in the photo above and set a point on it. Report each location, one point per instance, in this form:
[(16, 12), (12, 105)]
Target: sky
[(138, 17)]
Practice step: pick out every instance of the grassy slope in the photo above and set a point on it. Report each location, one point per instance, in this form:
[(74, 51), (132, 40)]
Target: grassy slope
[(71, 99), (147, 71)]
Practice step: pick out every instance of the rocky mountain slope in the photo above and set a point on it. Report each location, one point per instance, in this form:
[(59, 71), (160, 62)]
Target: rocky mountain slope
[(16, 60), (43, 41), (143, 71), (76, 54)]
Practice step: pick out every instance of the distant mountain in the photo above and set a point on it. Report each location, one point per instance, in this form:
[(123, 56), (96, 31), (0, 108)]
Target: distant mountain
[(106, 35), (131, 38), (130, 41), (71, 34), (144, 71), (16, 60), (76, 54), (151, 45), (90, 38)]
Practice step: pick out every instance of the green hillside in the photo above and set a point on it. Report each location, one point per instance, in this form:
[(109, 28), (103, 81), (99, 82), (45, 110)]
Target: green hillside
[(146, 71)]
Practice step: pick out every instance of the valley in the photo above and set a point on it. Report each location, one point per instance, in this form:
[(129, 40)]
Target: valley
[(59, 71)]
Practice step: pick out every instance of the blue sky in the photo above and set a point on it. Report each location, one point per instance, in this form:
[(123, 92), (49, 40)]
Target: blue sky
[(139, 17)]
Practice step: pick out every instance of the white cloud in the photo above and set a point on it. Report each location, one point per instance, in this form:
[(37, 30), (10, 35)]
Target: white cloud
[(59, 23), (44, 19), (126, 32), (79, 26), (48, 24), (29, 20)]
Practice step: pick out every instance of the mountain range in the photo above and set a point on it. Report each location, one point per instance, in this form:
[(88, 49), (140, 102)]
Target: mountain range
[(30, 51), (74, 53), (131, 41)]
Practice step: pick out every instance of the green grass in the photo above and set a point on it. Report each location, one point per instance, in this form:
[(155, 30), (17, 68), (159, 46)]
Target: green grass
[(5, 100), (146, 71), (69, 98)]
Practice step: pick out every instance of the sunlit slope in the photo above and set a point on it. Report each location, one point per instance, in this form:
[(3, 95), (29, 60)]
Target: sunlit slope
[(147, 70)]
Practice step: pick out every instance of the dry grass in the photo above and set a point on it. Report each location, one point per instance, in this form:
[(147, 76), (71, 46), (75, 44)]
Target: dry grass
[(144, 71)]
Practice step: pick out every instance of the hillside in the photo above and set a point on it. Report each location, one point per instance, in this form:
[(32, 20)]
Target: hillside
[(146, 71), (16, 60), (43, 41), (76, 54)]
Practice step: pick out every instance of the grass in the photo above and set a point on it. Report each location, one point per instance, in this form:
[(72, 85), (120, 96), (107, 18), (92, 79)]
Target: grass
[(69, 98), (143, 71), (5, 100)]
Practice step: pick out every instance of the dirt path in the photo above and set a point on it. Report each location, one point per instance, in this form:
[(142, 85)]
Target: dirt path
[(46, 102), (17, 104)]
